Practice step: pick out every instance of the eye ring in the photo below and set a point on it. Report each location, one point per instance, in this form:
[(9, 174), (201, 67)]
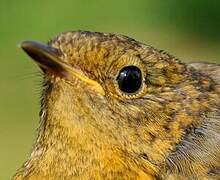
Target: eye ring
[(130, 80)]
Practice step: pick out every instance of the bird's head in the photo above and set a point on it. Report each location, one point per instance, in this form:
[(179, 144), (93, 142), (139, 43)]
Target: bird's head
[(109, 91)]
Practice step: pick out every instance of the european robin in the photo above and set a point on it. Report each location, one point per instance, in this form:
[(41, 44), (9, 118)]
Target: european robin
[(115, 108)]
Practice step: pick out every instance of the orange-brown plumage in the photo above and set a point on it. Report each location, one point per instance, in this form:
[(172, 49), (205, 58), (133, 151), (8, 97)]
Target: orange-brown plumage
[(90, 129)]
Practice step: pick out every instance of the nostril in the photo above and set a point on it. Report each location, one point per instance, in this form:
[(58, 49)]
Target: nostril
[(143, 156)]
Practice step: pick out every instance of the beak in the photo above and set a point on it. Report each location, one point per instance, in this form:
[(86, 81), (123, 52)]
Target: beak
[(48, 59), (45, 56)]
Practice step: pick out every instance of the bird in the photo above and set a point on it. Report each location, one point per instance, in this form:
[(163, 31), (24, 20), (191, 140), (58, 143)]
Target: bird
[(115, 108)]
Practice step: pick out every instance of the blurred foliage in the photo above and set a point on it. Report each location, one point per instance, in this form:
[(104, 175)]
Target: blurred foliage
[(199, 17), (187, 29)]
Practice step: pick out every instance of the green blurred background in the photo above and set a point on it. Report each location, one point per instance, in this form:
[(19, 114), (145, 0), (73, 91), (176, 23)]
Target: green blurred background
[(188, 29)]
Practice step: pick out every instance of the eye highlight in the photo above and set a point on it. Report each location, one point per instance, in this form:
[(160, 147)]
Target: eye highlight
[(129, 79)]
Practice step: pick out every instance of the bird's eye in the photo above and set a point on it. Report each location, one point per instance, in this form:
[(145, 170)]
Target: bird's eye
[(129, 79)]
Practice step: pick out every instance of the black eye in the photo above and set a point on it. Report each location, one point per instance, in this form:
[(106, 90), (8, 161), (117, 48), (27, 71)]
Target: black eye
[(129, 79)]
